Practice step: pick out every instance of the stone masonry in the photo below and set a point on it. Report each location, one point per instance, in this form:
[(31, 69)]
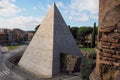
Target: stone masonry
[(70, 63), (108, 46), (53, 37)]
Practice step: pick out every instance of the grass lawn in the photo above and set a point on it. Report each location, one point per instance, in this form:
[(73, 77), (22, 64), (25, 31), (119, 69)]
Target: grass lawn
[(12, 47), (88, 49)]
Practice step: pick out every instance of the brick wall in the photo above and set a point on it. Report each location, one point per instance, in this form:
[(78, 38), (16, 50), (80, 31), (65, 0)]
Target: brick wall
[(108, 47)]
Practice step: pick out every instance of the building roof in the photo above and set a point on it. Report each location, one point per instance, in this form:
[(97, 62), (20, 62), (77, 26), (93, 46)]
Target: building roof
[(2, 33)]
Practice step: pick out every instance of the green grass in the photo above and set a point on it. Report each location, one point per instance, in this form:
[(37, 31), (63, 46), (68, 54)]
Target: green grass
[(88, 49), (12, 47)]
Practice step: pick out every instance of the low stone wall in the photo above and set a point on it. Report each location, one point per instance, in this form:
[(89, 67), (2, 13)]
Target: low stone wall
[(70, 63)]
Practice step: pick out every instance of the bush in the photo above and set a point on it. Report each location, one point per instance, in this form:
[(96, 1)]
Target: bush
[(92, 56), (87, 68)]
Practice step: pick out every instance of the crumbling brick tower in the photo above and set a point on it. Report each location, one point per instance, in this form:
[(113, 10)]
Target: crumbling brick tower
[(108, 47)]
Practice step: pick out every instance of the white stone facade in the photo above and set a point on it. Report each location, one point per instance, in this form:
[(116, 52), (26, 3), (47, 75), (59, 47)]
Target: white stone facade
[(42, 56)]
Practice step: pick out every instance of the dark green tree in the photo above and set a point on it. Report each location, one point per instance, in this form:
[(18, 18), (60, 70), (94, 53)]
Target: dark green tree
[(74, 31), (82, 32), (93, 36)]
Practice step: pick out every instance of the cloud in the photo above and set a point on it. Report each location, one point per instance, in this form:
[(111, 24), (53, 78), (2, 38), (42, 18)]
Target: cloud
[(60, 4), (79, 10), (81, 18), (82, 10), (8, 8), (12, 0), (94, 16), (34, 8), (22, 22), (76, 11), (85, 5)]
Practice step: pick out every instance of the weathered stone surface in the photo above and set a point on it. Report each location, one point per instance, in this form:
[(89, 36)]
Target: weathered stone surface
[(106, 43), (116, 56), (115, 45), (70, 63), (110, 38), (107, 29), (118, 53), (115, 36), (53, 37), (107, 71), (108, 53), (108, 59), (104, 38), (105, 62)]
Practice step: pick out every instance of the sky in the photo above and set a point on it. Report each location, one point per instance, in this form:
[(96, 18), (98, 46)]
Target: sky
[(27, 14)]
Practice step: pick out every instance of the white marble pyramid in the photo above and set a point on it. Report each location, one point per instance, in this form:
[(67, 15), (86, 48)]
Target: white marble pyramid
[(53, 37)]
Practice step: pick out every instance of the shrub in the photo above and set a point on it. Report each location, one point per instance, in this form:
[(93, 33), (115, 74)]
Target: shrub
[(87, 68)]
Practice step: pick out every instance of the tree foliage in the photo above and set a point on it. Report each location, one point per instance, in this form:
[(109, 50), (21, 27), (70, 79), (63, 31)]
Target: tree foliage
[(81, 34), (87, 68), (83, 31), (93, 36), (74, 31)]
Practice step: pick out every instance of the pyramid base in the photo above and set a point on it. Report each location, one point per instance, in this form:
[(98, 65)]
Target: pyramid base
[(34, 73)]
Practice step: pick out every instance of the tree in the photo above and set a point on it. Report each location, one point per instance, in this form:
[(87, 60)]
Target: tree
[(74, 31), (82, 32), (93, 36)]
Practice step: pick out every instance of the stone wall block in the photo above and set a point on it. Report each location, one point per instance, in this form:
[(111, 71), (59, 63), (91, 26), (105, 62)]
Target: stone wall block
[(116, 56), (118, 53), (109, 51), (107, 29), (115, 35), (106, 54), (104, 46), (105, 43), (113, 40), (104, 38), (115, 46), (106, 62)]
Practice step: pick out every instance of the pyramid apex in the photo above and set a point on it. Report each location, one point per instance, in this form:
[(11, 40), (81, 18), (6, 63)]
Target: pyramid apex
[(54, 4)]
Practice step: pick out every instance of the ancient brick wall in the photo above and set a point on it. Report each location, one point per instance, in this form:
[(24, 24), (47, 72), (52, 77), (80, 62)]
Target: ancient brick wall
[(108, 47)]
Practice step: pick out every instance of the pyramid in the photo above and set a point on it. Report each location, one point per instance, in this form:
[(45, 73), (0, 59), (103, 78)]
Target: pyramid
[(53, 37)]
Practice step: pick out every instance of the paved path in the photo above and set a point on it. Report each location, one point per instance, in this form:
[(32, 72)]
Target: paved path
[(73, 78), (5, 72)]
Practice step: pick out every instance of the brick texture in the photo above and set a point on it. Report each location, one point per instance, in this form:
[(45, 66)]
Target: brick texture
[(108, 47)]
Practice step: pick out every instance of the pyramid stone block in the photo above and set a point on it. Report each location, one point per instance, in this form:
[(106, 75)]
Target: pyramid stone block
[(53, 37)]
